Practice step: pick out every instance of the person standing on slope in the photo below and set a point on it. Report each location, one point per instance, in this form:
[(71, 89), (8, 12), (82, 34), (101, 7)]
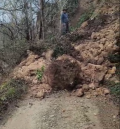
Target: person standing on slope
[(64, 22)]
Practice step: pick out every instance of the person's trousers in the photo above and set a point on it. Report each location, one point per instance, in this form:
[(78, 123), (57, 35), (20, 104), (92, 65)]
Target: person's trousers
[(65, 28)]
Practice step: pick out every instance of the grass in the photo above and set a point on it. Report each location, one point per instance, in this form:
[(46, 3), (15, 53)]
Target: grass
[(11, 91)]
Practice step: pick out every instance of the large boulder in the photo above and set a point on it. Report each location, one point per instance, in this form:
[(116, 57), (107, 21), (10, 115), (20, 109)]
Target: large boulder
[(63, 73), (94, 73)]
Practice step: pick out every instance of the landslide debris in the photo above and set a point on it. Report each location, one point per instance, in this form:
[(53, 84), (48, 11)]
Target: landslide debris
[(63, 73), (83, 64)]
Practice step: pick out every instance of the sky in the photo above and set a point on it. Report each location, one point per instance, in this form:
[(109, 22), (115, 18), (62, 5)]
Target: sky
[(5, 16)]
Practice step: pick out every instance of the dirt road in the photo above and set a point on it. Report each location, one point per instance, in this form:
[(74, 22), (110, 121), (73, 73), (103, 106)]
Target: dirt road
[(59, 111)]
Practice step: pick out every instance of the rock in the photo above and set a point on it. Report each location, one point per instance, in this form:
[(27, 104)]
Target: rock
[(95, 53), (96, 58), (103, 40), (116, 48), (88, 96), (93, 36), (115, 79), (104, 54), (100, 60), (100, 91), (78, 86), (92, 86), (27, 69), (48, 54), (84, 24), (95, 114), (114, 117), (101, 76), (106, 91), (101, 46), (63, 73), (94, 72), (85, 87), (112, 71), (96, 84), (108, 76), (95, 94), (109, 48), (40, 94), (79, 93), (35, 81)]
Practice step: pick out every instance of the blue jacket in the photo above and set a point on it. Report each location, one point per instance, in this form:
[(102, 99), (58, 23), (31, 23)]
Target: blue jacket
[(64, 18)]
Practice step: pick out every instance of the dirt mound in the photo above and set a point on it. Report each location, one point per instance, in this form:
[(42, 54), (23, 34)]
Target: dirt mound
[(63, 73), (94, 41), (95, 52), (28, 67), (27, 70)]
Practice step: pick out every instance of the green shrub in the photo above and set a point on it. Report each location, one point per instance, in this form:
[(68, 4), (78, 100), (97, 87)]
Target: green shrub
[(40, 73), (114, 58), (115, 89), (11, 91), (118, 70), (58, 51)]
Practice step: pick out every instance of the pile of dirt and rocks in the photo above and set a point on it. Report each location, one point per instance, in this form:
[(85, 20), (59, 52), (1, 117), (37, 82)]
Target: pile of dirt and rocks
[(84, 69), (27, 70), (63, 73)]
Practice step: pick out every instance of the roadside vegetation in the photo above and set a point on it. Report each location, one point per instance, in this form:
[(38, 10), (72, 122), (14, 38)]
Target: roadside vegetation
[(10, 92)]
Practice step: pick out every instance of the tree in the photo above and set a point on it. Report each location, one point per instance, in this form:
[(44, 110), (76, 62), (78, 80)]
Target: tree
[(28, 18), (42, 24)]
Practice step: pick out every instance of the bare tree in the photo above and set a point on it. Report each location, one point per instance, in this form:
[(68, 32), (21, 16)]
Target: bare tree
[(27, 19)]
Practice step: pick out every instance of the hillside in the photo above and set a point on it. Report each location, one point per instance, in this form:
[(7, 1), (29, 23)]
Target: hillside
[(85, 55), (78, 73)]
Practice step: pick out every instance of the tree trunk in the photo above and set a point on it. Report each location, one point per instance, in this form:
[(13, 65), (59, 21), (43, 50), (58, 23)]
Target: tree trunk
[(40, 33), (42, 24), (26, 20)]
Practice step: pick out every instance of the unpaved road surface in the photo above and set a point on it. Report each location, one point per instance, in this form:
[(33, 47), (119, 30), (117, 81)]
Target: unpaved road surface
[(59, 111)]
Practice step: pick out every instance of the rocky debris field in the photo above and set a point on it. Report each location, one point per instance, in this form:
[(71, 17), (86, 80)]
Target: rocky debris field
[(85, 72)]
